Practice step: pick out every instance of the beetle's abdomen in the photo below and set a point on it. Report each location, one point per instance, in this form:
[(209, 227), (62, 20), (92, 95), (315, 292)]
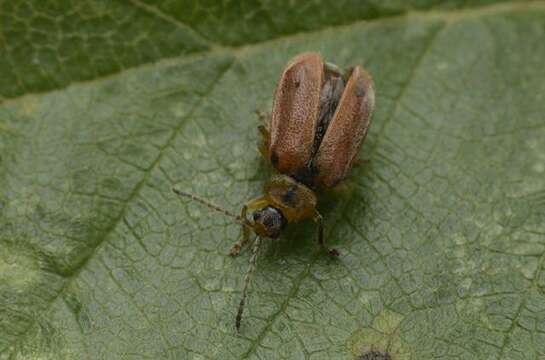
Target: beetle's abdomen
[(295, 114)]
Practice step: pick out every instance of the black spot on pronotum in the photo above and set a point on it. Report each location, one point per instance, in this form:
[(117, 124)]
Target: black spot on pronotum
[(375, 355), (290, 197)]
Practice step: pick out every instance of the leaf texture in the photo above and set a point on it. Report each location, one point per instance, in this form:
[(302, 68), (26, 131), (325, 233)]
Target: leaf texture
[(107, 105)]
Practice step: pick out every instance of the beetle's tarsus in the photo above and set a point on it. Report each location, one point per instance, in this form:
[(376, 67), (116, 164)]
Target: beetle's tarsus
[(235, 249)]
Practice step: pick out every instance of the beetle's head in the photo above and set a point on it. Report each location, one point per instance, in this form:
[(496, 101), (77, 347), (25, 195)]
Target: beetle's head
[(268, 222)]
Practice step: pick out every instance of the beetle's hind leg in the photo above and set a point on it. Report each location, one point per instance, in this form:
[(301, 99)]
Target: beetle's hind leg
[(319, 220)]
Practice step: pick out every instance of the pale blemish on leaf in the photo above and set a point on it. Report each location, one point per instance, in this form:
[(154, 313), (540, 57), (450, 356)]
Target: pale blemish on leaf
[(19, 269), (28, 106), (539, 167), (529, 267)]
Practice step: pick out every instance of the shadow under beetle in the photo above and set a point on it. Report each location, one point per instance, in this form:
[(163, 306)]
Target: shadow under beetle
[(320, 117)]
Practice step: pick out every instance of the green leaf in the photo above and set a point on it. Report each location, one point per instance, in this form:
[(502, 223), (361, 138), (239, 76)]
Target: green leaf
[(107, 105)]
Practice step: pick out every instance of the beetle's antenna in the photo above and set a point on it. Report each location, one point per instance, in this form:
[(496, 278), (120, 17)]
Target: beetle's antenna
[(209, 205), (247, 278)]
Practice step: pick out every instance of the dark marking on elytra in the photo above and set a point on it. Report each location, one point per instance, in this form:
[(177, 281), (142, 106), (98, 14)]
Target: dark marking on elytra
[(360, 90), (274, 158), (375, 355)]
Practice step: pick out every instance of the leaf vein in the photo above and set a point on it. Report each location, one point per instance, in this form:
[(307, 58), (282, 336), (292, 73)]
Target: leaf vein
[(155, 11), (120, 218)]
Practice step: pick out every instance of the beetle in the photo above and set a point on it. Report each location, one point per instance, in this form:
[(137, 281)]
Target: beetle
[(320, 118)]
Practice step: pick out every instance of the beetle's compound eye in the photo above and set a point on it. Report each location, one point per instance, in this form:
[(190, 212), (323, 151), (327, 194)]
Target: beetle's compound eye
[(269, 222)]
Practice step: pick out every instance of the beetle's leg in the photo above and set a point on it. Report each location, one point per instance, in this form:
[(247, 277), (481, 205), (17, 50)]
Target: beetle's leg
[(253, 204), (345, 188), (319, 220), (360, 162), (264, 134), (264, 141), (263, 117), (245, 236)]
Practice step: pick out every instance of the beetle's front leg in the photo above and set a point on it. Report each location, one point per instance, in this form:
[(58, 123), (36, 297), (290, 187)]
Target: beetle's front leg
[(319, 220), (246, 230), (245, 236)]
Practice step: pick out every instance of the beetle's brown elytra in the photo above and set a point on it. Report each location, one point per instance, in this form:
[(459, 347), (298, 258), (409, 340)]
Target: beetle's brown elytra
[(320, 118)]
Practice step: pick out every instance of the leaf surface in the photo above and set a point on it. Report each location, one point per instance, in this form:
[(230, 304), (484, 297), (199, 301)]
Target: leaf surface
[(108, 105)]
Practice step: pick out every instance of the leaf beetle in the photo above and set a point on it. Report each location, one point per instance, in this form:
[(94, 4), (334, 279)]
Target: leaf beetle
[(320, 118)]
